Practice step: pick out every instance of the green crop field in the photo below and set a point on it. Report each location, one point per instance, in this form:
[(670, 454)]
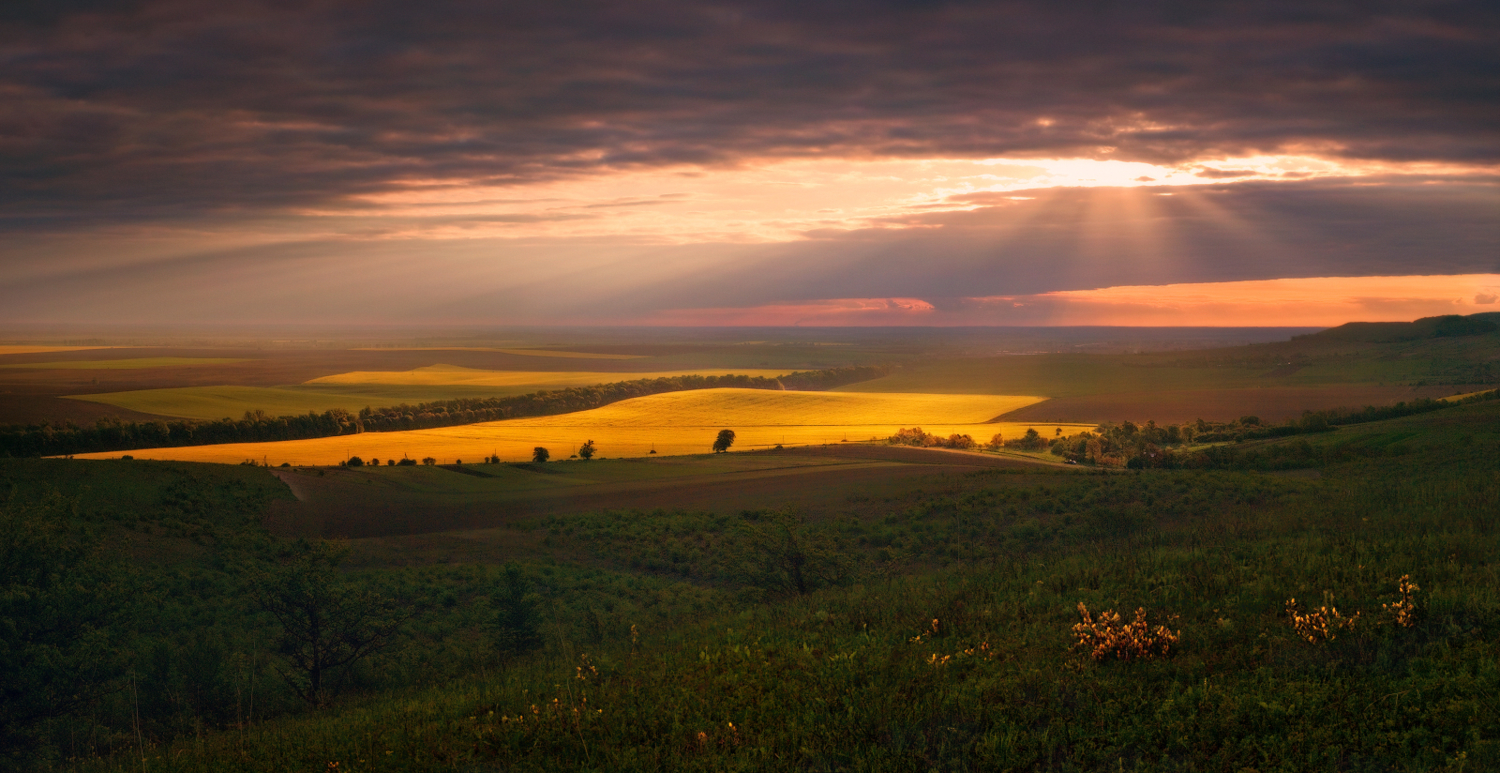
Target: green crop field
[(1053, 375), (355, 390), (127, 364), (1309, 361), (43, 349), (1061, 375), (450, 375), (1273, 381), (521, 352), (217, 402)]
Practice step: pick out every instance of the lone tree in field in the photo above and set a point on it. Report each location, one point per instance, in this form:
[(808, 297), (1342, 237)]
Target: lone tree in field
[(326, 622), (518, 619), (540, 455), (586, 450), (783, 555), (723, 441)]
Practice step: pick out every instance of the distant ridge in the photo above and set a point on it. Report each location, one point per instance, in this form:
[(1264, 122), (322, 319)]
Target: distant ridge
[(1447, 326)]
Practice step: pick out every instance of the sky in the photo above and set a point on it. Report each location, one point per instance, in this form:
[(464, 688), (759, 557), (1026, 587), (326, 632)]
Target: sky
[(753, 163)]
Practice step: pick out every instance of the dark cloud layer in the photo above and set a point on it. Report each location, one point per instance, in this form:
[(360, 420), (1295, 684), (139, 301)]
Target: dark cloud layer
[(1061, 239), (165, 110)]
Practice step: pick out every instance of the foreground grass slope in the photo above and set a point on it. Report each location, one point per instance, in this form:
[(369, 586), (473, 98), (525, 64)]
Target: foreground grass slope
[(934, 632)]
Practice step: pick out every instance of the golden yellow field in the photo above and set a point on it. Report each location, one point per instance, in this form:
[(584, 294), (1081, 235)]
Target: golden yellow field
[(17, 349), (453, 375), (1456, 398), (673, 423), (522, 352), (720, 408)]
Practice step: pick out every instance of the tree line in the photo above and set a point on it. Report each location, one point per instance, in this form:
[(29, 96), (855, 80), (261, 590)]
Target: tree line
[(1137, 446), (1151, 446), (110, 434), (1031, 441)]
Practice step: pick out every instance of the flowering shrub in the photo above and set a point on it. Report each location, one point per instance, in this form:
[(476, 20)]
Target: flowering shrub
[(1321, 624), (1404, 609), (1324, 623), (1106, 637)]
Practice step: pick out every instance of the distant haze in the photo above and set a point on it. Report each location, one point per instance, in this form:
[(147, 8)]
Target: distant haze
[(863, 344)]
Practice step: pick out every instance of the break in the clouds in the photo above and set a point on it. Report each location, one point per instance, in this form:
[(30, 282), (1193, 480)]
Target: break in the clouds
[(175, 159), (1018, 243), (1309, 302)]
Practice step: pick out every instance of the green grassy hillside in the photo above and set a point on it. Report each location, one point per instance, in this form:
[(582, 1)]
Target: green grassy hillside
[(218, 402), (1450, 326), (1333, 369), (1306, 361), (356, 390), (929, 626)]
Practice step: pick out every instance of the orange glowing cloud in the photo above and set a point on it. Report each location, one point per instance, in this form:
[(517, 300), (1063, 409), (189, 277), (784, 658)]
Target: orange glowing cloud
[(1295, 302), (1305, 302)]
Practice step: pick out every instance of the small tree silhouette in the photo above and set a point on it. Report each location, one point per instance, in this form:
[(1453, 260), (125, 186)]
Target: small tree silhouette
[(540, 455), (783, 555), (723, 441), (517, 622), (327, 622), (586, 450)]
